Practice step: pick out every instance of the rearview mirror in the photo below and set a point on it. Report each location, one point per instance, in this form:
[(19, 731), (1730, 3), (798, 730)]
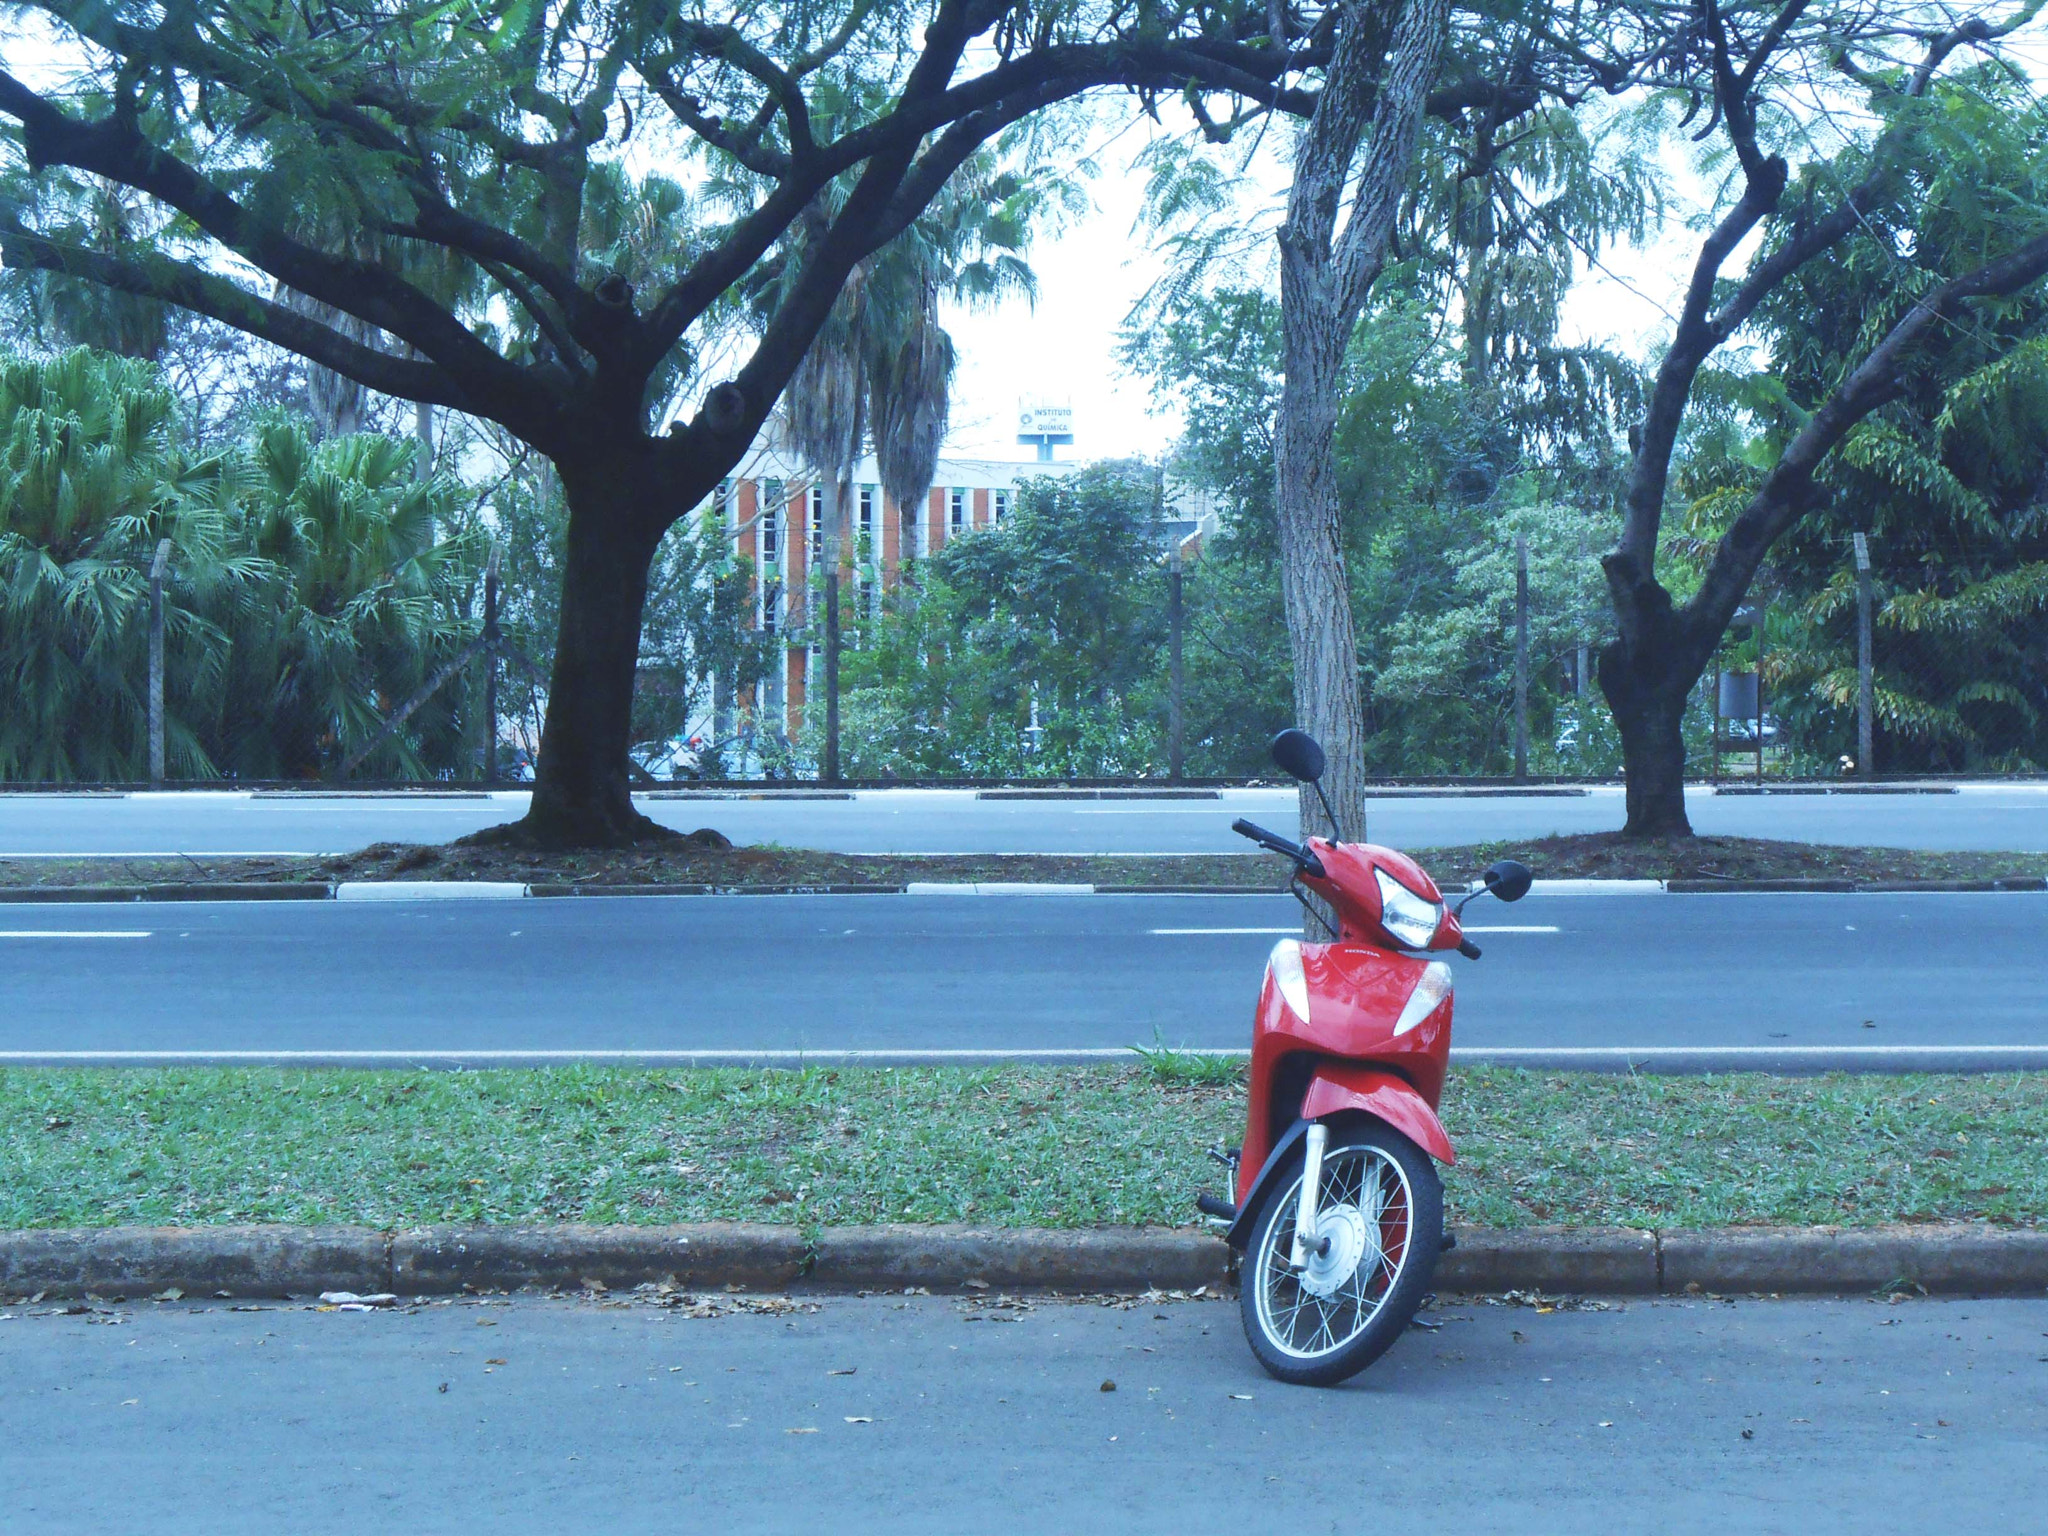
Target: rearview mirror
[(1508, 879), (1298, 754)]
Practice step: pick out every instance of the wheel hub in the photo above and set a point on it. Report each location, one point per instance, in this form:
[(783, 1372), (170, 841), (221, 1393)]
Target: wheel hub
[(1345, 1243)]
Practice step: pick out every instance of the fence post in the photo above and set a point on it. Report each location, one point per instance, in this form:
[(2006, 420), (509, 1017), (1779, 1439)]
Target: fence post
[(157, 570), (491, 666), (1175, 761), (1521, 656), (1866, 689)]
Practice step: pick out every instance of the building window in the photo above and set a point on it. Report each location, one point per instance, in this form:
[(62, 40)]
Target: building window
[(771, 532), (1001, 501), (722, 507), (771, 601), (956, 511), (867, 511), (817, 539)]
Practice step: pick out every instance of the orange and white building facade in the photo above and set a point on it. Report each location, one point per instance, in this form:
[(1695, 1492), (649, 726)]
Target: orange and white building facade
[(773, 510)]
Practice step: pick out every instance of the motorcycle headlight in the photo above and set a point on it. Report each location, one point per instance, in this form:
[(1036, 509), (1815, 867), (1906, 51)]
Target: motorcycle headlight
[(1411, 920)]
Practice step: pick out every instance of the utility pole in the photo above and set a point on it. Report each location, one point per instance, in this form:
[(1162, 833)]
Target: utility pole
[(158, 568), (1521, 657), (491, 667), (1866, 689), (1175, 761), (829, 766)]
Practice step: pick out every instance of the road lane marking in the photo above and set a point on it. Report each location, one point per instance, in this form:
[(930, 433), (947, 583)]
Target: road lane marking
[(75, 933), (1177, 932), (1499, 928)]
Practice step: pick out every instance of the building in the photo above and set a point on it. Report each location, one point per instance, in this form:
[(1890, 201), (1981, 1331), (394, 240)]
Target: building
[(773, 510)]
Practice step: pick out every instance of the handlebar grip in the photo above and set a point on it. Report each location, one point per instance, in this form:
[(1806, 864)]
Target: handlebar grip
[(1468, 949), (1265, 839), (1278, 844)]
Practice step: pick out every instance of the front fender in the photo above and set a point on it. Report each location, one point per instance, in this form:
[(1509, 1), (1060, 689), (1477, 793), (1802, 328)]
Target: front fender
[(1383, 1096), (1334, 1089)]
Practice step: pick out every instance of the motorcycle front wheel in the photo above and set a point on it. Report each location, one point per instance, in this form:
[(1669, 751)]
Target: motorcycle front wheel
[(1380, 1208)]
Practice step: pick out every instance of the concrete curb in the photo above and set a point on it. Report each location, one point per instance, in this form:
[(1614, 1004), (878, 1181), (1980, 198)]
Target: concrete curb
[(134, 1262)]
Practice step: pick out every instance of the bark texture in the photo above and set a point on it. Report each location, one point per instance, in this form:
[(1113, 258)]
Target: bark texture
[(582, 793), (1376, 91)]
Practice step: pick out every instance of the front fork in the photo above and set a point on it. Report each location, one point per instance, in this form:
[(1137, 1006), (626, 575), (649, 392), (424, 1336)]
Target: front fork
[(1307, 1243)]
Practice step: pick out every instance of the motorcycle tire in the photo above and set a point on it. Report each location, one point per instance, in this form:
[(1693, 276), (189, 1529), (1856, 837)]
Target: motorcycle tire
[(1381, 1208)]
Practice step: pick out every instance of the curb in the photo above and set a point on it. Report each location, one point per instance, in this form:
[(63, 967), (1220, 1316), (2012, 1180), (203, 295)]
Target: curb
[(124, 1262), (217, 890)]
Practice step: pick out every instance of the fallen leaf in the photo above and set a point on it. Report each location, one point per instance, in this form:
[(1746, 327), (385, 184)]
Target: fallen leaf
[(852, 1419), (171, 1293), (590, 1283), (1749, 1434), (847, 1370), (1110, 1386), (1240, 1397), (443, 1387), (808, 1430), (1607, 1424), (495, 1360), (135, 1402)]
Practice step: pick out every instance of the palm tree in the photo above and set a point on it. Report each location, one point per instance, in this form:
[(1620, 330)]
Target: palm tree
[(883, 363), (309, 590), (90, 480)]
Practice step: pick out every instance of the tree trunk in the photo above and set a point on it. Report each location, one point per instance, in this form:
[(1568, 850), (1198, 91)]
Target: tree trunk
[(1648, 695), (581, 791), (1314, 585)]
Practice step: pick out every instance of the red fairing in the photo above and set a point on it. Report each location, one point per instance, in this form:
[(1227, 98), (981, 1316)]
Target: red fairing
[(1347, 884), (1356, 993), (1382, 1095)]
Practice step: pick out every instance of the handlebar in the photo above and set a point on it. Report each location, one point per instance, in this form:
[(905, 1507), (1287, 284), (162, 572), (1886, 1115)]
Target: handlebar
[(1278, 844)]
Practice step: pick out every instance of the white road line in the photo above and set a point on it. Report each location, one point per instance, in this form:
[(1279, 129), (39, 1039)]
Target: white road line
[(1505, 1055), (1510, 928), (1178, 932), (74, 933)]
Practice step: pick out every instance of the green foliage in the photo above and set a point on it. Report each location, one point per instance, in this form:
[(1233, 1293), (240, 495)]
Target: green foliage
[(1027, 648), (1945, 482), (310, 589)]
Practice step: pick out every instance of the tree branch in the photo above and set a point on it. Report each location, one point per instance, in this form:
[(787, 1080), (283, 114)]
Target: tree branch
[(175, 282), (1788, 490)]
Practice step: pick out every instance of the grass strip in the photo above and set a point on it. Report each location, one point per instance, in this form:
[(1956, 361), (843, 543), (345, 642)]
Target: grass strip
[(1033, 1146)]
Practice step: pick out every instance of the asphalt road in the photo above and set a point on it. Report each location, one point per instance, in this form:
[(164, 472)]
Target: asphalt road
[(1790, 980), (954, 821), (910, 1415)]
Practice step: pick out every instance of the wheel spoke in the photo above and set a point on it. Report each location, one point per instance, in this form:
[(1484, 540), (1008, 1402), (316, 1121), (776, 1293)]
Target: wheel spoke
[(1369, 1188)]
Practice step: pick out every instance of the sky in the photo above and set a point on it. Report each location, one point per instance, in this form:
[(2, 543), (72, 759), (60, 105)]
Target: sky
[(1062, 349)]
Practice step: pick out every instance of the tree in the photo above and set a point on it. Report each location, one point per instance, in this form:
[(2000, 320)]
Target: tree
[(1945, 482), (883, 363), (1378, 84), (306, 143), (1753, 57)]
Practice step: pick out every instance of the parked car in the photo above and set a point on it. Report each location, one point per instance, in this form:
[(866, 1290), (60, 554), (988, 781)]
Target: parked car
[(681, 758), (1739, 735)]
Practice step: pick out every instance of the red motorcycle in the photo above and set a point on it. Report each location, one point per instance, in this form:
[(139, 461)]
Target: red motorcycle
[(1339, 1211)]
